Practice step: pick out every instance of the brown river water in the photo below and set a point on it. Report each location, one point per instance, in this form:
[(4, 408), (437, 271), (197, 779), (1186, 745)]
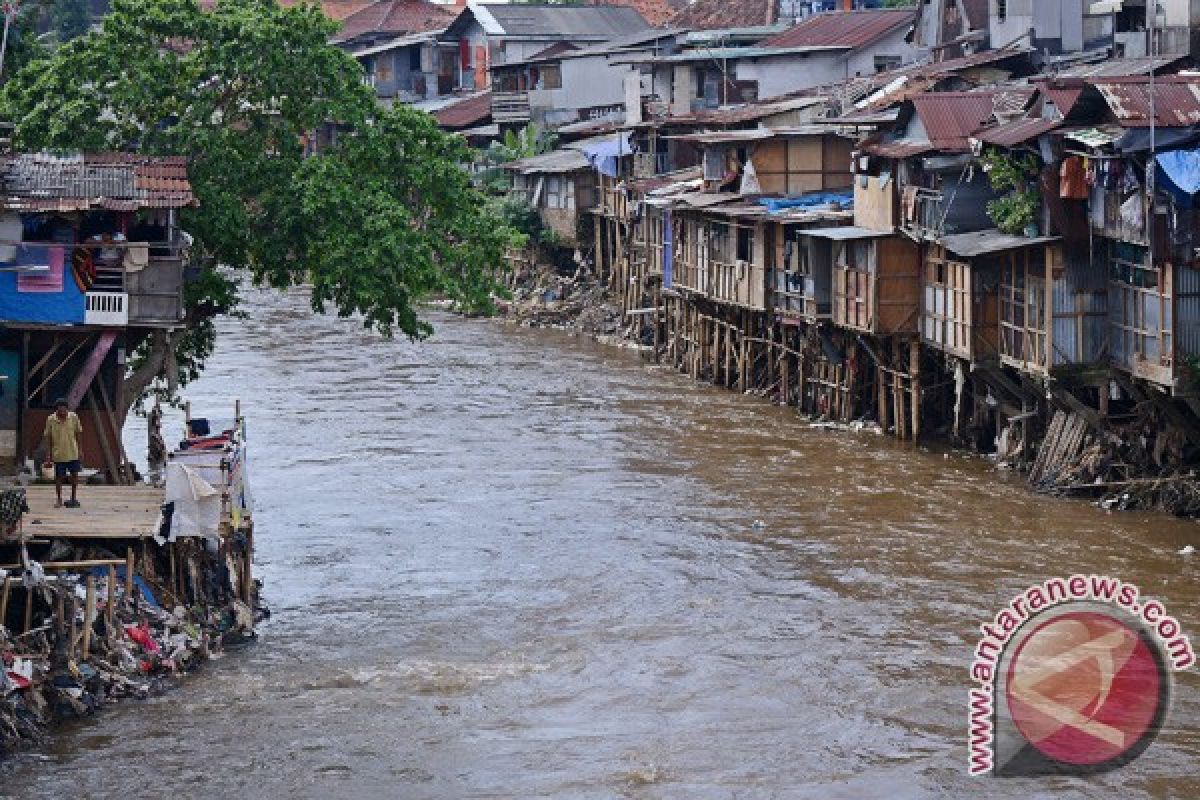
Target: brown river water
[(512, 564)]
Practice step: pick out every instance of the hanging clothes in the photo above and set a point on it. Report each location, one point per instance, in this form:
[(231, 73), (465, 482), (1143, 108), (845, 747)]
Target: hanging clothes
[(1072, 184)]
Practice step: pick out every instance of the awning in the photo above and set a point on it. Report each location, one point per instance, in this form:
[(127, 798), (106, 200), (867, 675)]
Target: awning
[(1094, 137), (846, 232), (979, 243)]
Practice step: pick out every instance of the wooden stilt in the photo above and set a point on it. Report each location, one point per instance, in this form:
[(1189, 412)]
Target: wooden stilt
[(4, 594), (110, 605), (128, 572), (89, 616), (914, 372)]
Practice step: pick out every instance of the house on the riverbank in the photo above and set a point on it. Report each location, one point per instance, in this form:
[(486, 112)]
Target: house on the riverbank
[(91, 262), (1013, 245)]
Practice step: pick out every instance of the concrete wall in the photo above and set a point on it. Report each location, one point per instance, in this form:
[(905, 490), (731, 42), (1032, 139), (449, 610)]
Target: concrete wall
[(783, 74), (1058, 26)]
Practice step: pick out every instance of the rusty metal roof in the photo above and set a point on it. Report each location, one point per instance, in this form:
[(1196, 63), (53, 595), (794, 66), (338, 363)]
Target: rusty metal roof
[(1011, 134), (949, 118), (1176, 100), (391, 17), (897, 149), (466, 113), (105, 181), (853, 29)]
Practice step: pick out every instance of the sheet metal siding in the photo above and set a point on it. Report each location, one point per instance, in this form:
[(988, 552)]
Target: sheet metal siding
[(1079, 291), (1188, 309), (967, 204)]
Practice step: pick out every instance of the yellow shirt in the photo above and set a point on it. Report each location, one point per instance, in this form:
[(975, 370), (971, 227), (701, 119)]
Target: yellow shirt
[(63, 435)]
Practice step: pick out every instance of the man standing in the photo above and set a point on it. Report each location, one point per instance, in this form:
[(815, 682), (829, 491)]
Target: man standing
[(62, 440)]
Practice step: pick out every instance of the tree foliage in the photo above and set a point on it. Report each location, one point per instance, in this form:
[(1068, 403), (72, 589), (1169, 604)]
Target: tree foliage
[(378, 220)]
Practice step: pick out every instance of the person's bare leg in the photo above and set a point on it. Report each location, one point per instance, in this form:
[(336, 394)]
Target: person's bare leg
[(74, 488), (58, 489)]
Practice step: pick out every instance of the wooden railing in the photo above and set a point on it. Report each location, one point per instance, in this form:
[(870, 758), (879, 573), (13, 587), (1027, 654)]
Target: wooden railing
[(510, 106)]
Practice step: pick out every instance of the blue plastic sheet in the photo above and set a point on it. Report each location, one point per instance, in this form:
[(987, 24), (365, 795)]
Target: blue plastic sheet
[(1182, 168), (605, 156), (776, 204)]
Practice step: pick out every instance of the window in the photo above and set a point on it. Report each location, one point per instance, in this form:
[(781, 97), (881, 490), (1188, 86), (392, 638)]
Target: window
[(886, 63), (554, 191), (745, 244), (552, 77), (1001, 10), (414, 59)]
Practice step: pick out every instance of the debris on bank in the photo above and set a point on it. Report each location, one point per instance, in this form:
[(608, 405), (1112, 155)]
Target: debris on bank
[(122, 597)]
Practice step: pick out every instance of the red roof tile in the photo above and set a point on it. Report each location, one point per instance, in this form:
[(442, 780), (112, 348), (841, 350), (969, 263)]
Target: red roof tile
[(336, 10), (713, 14), (656, 12), (853, 29), (466, 113), (395, 17)]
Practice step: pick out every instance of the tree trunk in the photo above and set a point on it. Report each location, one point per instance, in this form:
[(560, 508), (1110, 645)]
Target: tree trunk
[(160, 354)]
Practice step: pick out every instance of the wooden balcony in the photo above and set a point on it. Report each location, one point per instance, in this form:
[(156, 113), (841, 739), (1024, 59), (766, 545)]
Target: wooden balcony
[(510, 107), (927, 217)]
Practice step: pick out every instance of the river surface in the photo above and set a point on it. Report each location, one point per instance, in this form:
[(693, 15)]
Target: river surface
[(513, 564)]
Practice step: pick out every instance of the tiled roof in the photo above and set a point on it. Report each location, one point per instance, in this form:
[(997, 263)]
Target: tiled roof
[(336, 10), (713, 14), (395, 17), (108, 181), (853, 29), (656, 12), (466, 113)]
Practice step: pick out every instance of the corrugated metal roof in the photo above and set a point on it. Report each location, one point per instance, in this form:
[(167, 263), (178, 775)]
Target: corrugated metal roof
[(1118, 67), (1064, 98), (571, 22), (992, 240), (108, 181), (853, 29), (897, 149), (1011, 134), (557, 161), (1176, 101), (465, 113), (846, 232), (950, 118)]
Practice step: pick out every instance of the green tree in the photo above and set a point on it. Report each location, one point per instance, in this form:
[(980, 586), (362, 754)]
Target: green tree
[(376, 222)]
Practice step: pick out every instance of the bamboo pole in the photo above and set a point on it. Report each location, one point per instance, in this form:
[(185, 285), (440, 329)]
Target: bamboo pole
[(89, 615), (74, 630), (4, 593), (28, 611), (914, 370), (110, 606), (128, 573)]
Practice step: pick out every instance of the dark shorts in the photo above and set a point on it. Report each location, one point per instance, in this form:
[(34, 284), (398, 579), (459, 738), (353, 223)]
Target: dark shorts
[(64, 468)]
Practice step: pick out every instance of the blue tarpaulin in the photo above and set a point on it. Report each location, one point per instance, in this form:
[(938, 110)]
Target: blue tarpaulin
[(776, 204), (1181, 169), (605, 156)]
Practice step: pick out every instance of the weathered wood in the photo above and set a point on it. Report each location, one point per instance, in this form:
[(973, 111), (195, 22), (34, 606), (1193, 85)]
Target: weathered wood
[(89, 615), (108, 512), (128, 572), (110, 604)]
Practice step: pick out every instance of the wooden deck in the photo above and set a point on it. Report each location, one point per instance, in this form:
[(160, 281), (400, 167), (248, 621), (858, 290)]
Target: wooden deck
[(108, 512)]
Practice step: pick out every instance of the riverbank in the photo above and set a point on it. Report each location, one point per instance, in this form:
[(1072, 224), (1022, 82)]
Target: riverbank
[(122, 596), (1126, 461)]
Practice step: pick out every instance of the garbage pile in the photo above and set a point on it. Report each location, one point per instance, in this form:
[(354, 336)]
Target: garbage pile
[(96, 638), (547, 299)]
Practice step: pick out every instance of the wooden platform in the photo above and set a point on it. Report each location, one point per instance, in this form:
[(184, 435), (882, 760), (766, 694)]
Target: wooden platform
[(107, 512)]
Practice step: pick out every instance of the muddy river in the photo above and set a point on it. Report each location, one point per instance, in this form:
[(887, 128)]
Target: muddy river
[(513, 564)]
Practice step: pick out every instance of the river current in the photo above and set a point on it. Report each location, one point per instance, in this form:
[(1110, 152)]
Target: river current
[(511, 564)]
